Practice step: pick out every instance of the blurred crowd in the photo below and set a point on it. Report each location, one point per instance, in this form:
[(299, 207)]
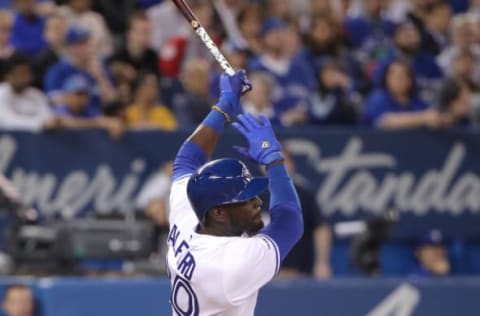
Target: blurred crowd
[(136, 64)]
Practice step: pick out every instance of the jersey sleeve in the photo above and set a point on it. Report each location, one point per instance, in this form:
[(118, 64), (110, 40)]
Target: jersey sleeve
[(249, 264), (180, 208)]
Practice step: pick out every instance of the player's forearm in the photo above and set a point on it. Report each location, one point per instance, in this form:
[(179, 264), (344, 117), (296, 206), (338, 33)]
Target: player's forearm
[(200, 145), (286, 225)]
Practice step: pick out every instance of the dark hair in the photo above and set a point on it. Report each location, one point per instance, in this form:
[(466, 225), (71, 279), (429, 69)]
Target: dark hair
[(140, 79), (450, 92), (410, 74), (14, 61), (434, 5), (137, 15)]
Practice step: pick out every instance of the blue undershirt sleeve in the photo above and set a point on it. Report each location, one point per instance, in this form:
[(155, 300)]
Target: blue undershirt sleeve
[(286, 224)]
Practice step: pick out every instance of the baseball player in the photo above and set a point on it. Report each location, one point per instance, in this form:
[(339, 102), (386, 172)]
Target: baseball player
[(219, 252)]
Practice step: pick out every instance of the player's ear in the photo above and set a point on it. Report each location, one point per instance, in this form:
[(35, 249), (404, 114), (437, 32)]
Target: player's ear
[(218, 214)]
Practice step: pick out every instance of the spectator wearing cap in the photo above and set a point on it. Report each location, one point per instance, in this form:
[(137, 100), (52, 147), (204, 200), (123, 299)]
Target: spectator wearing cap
[(78, 60), (293, 78), (79, 12), (76, 97), (55, 30), (77, 111), (146, 112), (27, 31), (431, 255), (22, 106)]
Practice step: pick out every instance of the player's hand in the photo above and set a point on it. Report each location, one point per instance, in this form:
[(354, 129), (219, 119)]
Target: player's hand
[(232, 88), (264, 147)]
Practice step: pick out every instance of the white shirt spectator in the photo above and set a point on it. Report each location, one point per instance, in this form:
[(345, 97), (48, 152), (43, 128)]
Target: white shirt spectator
[(94, 22), (166, 22), (27, 111)]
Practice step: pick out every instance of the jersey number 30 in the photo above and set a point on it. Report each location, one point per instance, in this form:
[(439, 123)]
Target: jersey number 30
[(183, 299)]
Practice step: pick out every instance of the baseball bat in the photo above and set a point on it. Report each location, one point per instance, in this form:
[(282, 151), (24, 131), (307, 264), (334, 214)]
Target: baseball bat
[(202, 33)]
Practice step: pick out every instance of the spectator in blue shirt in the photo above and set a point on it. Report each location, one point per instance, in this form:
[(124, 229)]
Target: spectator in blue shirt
[(370, 32), (77, 111), (293, 77), (76, 97), (396, 103), (27, 31), (79, 60), (407, 45), (432, 260)]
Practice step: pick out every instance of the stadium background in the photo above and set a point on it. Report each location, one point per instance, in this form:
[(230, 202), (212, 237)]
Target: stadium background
[(92, 175)]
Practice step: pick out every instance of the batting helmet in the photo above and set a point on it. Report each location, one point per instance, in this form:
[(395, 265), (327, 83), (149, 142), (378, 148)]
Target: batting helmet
[(220, 182)]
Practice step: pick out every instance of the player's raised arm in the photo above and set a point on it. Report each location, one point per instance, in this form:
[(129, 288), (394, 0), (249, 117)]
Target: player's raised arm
[(286, 225), (198, 148)]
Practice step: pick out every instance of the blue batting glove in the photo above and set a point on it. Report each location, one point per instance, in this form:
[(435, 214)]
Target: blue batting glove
[(232, 88), (263, 147)]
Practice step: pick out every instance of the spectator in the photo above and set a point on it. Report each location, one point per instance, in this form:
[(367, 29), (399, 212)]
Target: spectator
[(55, 30), (407, 45), (77, 111), (259, 100), (194, 102), (6, 48), (437, 22), (464, 67), (227, 12), (28, 26), (76, 99), (79, 12), (455, 99), (167, 22), (135, 54), (325, 44), (21, 105), (79, 61), (463, 40), (250, 25), (145, 112), (293, 78), (334, 102), (116, 14), (311, 255), (370, 30), (185, 46), (396, 103), (18, 301), (431, 255)]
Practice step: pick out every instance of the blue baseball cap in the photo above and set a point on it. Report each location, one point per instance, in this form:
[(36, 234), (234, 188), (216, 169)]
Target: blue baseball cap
[(433, 237), (76, 34), (272, 24), (76, 84)]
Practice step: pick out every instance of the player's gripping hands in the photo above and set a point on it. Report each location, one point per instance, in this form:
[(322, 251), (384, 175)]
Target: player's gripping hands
[(231, 89), (263, 146)]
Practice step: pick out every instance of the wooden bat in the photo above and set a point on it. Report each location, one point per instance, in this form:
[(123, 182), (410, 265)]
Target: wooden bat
[(202, 33)]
